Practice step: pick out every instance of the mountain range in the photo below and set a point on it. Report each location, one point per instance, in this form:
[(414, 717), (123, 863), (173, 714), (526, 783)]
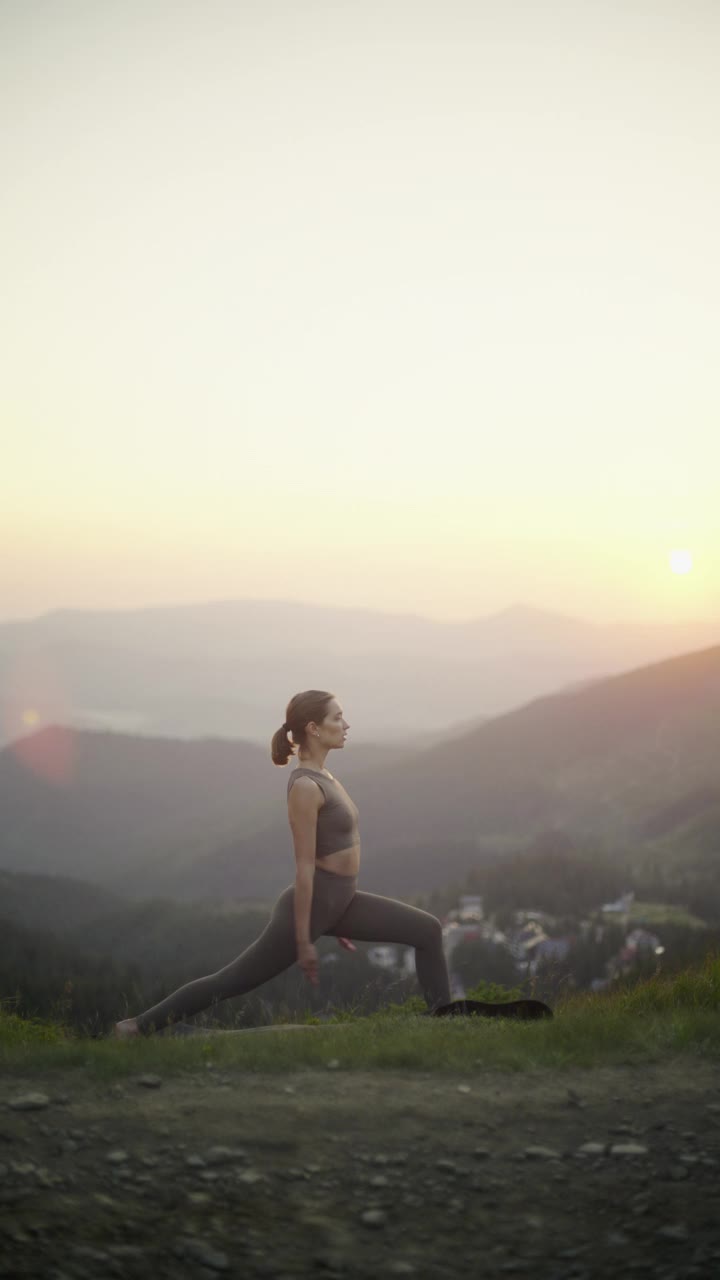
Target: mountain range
[(228, 668), (623, 761)]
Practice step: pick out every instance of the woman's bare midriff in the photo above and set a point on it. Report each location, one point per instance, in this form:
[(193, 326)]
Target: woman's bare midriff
[(344, 862)]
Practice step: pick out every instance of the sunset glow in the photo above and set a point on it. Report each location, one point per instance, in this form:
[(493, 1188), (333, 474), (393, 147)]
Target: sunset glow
[(408, 307)]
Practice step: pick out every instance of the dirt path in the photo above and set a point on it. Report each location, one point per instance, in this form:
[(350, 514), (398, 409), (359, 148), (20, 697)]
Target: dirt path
[(365, 1174)]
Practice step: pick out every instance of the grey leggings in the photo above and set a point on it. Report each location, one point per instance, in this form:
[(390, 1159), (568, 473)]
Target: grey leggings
[(338, 909)]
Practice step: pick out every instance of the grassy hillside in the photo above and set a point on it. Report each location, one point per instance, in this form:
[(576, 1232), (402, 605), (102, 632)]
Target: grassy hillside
[(631, 1023), (70, 946)]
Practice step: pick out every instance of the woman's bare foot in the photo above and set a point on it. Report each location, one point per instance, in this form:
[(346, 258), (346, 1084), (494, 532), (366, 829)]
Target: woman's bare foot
[(128, 1027)]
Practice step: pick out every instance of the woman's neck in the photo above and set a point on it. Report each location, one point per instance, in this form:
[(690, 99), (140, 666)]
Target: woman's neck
[(313, 762)]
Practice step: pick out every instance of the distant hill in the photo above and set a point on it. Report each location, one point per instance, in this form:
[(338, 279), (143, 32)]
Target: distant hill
[(693, 844), (125, 811), (227, 668), (54, 904), (688, 808), (606, 756), (104, 806)]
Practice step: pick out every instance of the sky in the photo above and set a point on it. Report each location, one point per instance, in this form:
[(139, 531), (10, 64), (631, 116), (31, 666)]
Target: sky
[(381, 303)]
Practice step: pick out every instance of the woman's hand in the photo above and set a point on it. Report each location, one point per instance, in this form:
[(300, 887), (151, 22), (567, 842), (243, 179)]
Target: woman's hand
[(347, 944), (308, 961)]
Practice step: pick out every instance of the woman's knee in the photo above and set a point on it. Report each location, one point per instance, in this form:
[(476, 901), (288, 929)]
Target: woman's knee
[(432, 929)]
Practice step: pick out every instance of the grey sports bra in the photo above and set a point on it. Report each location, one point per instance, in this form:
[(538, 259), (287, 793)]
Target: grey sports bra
[(337, 820)]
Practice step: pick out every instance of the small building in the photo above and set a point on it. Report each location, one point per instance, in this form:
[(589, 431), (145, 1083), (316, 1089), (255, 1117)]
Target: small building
[(642, 940), (470, 906), (521, 942), (548, 949), (622, 905)]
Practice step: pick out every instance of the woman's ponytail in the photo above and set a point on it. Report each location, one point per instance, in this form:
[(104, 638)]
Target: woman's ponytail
[(280, 748)]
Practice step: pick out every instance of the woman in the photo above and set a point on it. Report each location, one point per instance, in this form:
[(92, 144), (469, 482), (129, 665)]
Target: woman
[(324, 898)]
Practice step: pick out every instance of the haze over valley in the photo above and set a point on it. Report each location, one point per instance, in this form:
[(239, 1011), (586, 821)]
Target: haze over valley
[(228, 668)]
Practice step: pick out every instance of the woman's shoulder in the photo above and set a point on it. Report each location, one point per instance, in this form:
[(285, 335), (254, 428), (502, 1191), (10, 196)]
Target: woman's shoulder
[(306, 781)]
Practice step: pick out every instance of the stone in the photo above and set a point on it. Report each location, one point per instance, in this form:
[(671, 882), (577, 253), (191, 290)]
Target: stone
[(675, 1231), (374, 1218), (29, 1102), (150, 1081), (205, 1254), (225, 1155)]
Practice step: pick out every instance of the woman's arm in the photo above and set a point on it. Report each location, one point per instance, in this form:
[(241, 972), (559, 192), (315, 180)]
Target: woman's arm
[(303, 904), (303, 803)]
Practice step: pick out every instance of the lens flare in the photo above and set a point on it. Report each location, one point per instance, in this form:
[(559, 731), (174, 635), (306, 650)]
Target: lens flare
[(33, 704)]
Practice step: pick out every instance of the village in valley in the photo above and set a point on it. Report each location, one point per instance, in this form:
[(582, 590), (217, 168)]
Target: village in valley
[(529, 942)]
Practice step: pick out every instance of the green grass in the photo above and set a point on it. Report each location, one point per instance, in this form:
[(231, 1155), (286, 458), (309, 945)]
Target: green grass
[(632, 1023), (656, 913)]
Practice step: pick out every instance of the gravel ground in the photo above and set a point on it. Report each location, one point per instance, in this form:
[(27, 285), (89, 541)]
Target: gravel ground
[(564, 1176)]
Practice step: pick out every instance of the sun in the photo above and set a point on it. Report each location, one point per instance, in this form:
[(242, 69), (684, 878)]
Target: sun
[(681, 561)]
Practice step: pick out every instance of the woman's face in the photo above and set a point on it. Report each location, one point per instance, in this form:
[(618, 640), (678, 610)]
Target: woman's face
[(334, 727)]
